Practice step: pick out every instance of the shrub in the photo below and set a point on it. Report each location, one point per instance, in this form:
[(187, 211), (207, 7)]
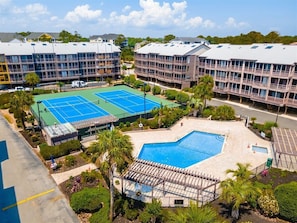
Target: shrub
[(4, 100), (86, 200), (63, 149), (224, 112), (121, 125), (144, 217), (70, 161), (90, 177), (153, 124), (182, 97), (128, 124), (156, 90), (285, 194), (268, 204), (171, 94), (131, 214)]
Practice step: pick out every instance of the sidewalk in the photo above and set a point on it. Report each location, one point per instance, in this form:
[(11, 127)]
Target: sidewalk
[(61, 177)]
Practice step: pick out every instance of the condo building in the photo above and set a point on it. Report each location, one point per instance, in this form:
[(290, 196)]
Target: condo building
[(58, 61), (265, 73)]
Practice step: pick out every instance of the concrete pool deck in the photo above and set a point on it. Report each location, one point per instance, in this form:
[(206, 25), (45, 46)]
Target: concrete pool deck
[(236, 149)]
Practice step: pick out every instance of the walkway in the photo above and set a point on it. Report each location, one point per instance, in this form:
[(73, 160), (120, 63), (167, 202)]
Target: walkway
[(61, 177)]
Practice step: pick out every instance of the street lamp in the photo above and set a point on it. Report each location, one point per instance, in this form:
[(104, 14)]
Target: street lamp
[(39, 121), (277, 114), (144, 104)]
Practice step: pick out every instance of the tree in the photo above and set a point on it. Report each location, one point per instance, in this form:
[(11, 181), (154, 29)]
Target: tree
[(242, 172), (32, 79), (239, 189), (154, 209), (60, 85), (196, 104), (169, 37), (113, 150), (21, 102), (120, 40), (204, 89)]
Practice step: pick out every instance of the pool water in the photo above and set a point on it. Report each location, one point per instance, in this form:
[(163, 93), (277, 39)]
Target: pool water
[(260, 149), (192, 148)]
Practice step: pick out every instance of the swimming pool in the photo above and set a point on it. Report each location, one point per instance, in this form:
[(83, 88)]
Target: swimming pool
[(260, 149), (192, 148)]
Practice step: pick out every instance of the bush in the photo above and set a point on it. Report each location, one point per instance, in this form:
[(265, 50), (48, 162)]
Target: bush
[(144, 217), (86, 200), (70, 161), (131, 214), (171, 94), (5, 100), (268, 204), (182, 97), (285, 194), (156, 90), (90, 177), (153, 124), (63, 149)]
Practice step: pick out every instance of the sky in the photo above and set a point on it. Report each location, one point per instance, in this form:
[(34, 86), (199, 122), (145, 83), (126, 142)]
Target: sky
[(150, 18)]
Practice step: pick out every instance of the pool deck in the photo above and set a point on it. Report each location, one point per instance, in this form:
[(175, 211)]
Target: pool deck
[(237, 147)]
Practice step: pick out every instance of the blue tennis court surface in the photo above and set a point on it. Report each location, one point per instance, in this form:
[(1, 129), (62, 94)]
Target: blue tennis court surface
[(73, 109), (129, 102)]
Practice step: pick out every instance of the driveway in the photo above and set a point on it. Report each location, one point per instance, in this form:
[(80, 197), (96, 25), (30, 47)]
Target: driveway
[(33, 194)]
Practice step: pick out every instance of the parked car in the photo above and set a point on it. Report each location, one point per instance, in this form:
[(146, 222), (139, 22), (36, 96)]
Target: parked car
[(77, 84)]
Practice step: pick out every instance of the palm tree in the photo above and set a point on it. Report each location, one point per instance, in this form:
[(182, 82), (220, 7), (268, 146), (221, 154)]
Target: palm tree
[(114, 150), (196, 104), (60, 85), (20, 102), (204, 89), (194, 214), (239, 189), (242, 172), (32, 79)]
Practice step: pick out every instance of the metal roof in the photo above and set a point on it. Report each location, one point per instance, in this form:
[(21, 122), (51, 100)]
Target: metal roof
[(171, 49), (261, 53), (285, 141), (30, 48), (59, 130)]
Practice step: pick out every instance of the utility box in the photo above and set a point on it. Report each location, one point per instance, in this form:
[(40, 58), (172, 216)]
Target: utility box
[(269, 162)]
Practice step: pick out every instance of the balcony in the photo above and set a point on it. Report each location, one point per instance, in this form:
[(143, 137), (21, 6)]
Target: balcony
[(260, 84), (280, 73), (293, 88), (280, 87), (292, 103)]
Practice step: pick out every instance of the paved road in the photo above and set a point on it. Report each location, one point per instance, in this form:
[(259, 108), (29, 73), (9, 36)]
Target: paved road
[(37, 196), (283, 121)]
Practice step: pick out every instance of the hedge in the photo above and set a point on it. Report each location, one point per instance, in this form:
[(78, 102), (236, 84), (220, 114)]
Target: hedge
[(285, 194), (63, 149), (87, 200)]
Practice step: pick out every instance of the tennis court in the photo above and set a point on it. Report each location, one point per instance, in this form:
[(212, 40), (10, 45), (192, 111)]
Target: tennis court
[(127, 101), (73, 109), (94, 105)]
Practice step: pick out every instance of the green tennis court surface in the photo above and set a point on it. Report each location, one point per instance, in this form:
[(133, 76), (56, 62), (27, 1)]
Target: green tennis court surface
[(82, 105)]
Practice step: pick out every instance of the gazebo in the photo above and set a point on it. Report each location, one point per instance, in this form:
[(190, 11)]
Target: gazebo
[(145, 180), (285, 148)]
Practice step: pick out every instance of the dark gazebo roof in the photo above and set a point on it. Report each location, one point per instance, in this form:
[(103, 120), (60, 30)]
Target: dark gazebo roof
[(285, 141)]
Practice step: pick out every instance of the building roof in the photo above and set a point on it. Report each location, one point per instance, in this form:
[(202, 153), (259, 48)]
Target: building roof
[(189, 40), (285, 141), (29, 48), (110, 36), (172, 49), (37, 35), (9, 37), (59, 130), (262, 53)]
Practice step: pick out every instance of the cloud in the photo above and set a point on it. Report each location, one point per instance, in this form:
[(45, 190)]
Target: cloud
[(159, 15), (32, 10), (4, 2), (126, 8), (82, 12), (231, 22)]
